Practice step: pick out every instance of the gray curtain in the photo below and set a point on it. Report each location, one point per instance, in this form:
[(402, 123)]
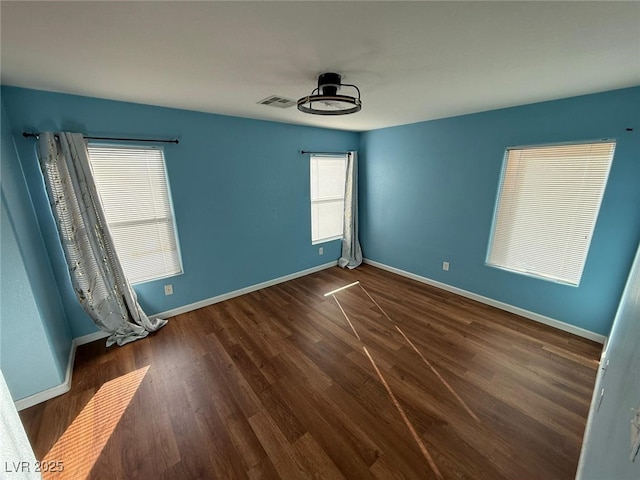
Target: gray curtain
[(351, 252), (96, 273)]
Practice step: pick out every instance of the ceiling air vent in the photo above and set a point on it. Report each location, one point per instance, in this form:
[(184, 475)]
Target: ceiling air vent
[(276, 101)]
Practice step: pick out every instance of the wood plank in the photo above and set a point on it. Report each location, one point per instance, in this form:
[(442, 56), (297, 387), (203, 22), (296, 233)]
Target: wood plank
[(274, 384)]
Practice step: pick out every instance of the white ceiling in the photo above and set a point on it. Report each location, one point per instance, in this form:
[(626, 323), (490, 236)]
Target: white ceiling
[(413, 61)]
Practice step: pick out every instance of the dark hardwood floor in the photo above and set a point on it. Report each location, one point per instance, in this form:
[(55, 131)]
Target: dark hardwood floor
[(389, 379)]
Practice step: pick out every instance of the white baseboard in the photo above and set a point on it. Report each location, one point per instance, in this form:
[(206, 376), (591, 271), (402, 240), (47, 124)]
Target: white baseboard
[(50, 393), (581, 332), (92, 337), (236, 293)]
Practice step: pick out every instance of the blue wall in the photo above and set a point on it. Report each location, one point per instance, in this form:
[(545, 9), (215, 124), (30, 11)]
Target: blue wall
[(240, 190), (428, 192), (35, 339), (241, 196)]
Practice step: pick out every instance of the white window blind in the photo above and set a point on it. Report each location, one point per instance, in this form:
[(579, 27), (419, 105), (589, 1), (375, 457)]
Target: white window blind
[(547, 209), (134, 192), (327, 197)]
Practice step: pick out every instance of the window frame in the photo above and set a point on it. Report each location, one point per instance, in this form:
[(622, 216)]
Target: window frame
[(171, 220), (534, 273), (313, 202)]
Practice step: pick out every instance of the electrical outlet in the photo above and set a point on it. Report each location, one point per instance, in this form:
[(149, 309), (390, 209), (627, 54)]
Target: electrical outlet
[(168, 289), (445, 266), (321, 251)]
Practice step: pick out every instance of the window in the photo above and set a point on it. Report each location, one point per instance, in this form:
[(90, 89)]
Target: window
[(547, 208), (134, 192), (327, 197)]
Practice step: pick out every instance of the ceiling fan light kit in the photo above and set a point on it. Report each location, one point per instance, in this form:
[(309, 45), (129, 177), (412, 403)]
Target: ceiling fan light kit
[(324, 99)]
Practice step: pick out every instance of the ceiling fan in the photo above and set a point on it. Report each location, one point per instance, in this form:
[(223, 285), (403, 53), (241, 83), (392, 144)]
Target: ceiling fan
[(325, 100)]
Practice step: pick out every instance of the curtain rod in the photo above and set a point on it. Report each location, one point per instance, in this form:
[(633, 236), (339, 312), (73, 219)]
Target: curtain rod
[(303, 152), (175, 140)]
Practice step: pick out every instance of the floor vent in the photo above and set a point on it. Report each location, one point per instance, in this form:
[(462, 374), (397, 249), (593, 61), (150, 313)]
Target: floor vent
[(276, 101)]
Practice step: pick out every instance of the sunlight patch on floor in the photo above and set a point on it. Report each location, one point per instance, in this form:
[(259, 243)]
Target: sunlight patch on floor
[(386, 385), (426, 362), (81, 444)]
